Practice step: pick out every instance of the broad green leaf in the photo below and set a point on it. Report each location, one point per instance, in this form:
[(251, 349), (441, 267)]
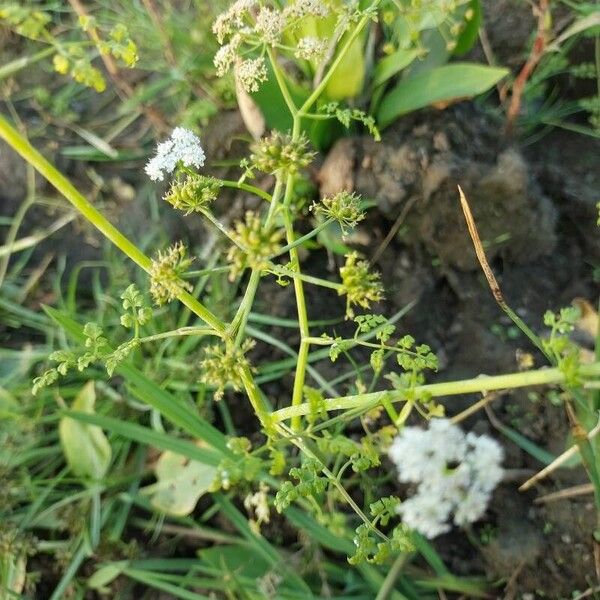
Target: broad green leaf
[(259, 545), (173, 591), (305, 522), (391, 65), (85, 446), (349, 76), (234, 559), (441, 84), (180, 483)]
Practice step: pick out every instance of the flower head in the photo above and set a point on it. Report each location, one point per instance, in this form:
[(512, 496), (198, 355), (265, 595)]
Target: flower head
[(226, 55), (279, 152), (255, 244), (359, 285), (195, 193), (224, 365), (233, 18), (166, 271), (251, 73), (311, 48), (455, 475), (270, 25), (183, 146), (308, 8), (344, 207)]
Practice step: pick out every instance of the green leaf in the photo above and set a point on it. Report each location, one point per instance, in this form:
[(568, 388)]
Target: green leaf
[(147, 436), (305, 522), (469, 34), (526, 444), (85, 446), (348, 77), (391, 65), (441, 84), (180, 483), (272, 104), (106, 574)]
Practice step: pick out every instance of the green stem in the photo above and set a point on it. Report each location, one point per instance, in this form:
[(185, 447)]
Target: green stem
[(390, 580), (451, 388), (24, 61), (68, 190), (299, 241), (241, 318), (16, 223), (282, 84), (182, 331), (238, 325), (246, 188), (310, 450), (221, 228), (314, 280), (334, 65), (303, 351)]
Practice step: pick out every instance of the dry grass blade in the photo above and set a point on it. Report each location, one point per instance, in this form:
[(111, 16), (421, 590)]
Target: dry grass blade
[(487, 398), (491, 278), (560, 460), (570, 492), (394, 230)]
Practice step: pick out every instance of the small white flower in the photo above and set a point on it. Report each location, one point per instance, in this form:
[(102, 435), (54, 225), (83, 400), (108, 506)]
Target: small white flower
[(226, 55), (270, 25), (426, 514), (471, 506), (259, 504), (183, 146), (250, 73), (311, 48), (306, 8), (233, 18), (455, 475)]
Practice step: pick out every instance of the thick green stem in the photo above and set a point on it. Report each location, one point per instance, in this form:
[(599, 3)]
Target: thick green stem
[(451, 388), (66, 188), (246, 188), (303, 351), (299, 241), (279, 76)]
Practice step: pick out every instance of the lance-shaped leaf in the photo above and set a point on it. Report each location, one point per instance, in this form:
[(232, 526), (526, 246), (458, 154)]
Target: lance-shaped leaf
[(441, 85), (85, 447)]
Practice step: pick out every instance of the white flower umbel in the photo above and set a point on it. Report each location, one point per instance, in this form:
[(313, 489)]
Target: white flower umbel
[(311, 48), (455, 475), (183, 146), (250, 73), (308, 8), (269, 25)]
